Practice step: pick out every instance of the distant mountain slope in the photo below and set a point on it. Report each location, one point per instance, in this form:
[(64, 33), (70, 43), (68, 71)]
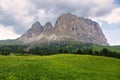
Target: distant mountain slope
[(10, 42), (66, 26)]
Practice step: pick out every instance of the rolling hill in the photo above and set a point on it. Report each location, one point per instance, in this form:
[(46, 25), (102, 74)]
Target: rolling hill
[(59, 67)]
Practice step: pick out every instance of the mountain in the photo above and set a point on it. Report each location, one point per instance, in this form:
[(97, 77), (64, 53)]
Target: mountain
[(69, 27), (36, 29), (47, 27)]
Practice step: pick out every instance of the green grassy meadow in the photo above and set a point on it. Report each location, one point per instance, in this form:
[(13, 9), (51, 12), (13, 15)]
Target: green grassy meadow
[(59, 67)]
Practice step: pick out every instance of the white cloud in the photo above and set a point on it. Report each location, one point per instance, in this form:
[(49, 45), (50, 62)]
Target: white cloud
[(16, 12), (46, 16), (23, 13), (7, 33), (113, 17), (82, 7)]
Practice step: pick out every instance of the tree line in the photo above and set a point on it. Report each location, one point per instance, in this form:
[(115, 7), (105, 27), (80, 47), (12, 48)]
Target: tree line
[(56, 48)]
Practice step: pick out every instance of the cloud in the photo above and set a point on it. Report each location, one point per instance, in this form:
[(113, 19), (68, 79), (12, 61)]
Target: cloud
[(16, 13), (21, 14), (111, 18), (82, 7), (7, 33), (49, 10)]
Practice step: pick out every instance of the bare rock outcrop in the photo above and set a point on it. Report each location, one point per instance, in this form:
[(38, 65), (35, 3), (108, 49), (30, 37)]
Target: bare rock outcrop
[(81, 29), (35, 30), (66, 26)]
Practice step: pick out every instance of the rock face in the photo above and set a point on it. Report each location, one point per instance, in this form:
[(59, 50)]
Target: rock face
[(81, 29), (36, 29), (67, 26), (47, 27)]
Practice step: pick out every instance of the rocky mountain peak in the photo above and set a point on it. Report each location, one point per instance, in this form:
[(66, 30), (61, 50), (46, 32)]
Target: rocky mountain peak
[(79, 28), (37, 27), (67, 26), (34, 31), (47, 26)]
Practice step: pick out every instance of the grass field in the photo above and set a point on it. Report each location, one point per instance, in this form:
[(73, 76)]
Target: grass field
[(59, 67)]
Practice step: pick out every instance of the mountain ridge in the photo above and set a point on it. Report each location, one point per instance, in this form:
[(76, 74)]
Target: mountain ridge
[(66, 26)]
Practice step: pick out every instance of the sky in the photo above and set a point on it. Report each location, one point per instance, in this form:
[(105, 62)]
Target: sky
[(16, 16)]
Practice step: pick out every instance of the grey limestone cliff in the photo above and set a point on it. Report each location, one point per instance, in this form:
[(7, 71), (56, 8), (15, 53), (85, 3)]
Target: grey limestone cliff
[(66, 26)]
